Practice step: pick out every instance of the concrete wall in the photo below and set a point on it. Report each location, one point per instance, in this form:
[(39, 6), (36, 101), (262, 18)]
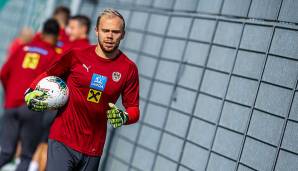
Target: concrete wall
[(218, 85)]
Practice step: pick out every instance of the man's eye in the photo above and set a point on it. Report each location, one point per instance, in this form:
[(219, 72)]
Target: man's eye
[(116, 31)]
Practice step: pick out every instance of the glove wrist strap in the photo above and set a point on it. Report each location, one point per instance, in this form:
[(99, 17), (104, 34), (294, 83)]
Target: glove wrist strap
[(125, 117)]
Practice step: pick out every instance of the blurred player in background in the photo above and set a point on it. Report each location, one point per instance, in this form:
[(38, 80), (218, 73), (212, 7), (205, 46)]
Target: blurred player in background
[(62, 14), (78, 29), (19, 123), (96, 76), (25, 36)]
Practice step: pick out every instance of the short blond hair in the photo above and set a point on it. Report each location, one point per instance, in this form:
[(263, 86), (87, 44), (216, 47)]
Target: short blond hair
[(110, 12)]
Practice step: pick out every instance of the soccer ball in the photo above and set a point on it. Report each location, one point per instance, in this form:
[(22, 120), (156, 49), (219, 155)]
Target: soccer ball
[(56, 91)]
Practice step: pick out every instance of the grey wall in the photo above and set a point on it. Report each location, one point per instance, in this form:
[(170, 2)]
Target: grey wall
[(218, 85)]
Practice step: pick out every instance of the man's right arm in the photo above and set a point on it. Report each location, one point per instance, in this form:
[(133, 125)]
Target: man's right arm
[(59, 68)]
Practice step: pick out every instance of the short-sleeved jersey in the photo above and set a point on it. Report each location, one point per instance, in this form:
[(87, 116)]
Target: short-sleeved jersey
[(93, 82), (22, 67)]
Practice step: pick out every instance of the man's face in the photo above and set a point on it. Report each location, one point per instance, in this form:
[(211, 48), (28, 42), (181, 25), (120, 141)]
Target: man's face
[(75, 30), (110, 32)]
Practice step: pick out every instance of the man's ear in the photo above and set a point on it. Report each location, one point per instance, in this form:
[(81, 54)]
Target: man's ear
[(85, 30), (96, 31)]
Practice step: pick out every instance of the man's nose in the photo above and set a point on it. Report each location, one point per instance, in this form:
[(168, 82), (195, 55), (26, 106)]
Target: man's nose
[(110, 35)]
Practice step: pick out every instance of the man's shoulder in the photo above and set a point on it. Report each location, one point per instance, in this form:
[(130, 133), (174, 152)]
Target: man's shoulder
[(129, 61), (78, 54), (35, 48), (39, 47)]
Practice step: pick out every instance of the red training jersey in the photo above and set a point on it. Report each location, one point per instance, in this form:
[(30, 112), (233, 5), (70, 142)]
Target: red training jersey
[(22, 67), (93, 82)]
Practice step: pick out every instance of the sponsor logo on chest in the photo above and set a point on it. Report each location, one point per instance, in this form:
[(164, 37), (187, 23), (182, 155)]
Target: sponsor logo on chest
[(98, 82), (97, 85)]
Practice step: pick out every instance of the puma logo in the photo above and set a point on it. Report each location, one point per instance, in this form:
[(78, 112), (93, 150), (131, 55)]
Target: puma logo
[(87, 68)]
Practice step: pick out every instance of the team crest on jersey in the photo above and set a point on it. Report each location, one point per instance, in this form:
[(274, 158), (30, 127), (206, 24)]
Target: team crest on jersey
[(116, 76)]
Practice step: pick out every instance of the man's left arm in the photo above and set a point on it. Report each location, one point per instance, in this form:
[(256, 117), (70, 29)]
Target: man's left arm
[(130, 100)]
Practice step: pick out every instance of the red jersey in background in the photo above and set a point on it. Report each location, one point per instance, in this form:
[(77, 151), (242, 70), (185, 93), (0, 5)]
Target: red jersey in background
[(22, 67), (63, 39)]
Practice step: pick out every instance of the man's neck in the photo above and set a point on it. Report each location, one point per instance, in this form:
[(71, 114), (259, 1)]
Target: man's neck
[(47, 39), (105, 55)]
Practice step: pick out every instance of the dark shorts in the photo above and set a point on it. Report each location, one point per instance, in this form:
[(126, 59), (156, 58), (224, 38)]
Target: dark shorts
[(61, 157), (20, 124)]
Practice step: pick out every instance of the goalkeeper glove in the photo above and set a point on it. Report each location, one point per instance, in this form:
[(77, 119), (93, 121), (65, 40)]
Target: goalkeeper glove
[(35, 100), (116, 117)]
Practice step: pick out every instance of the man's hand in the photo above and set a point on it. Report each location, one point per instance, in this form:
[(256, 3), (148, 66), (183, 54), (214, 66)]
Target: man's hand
[(116, 116), (35, 100)]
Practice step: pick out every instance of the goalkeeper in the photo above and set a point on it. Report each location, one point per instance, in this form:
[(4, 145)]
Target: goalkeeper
[(96, 76)]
